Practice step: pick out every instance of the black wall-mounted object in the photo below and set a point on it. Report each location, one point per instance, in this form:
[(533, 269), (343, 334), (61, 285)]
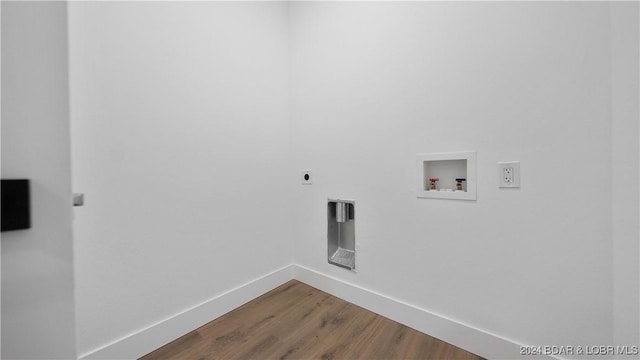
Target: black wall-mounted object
[(16, 209)]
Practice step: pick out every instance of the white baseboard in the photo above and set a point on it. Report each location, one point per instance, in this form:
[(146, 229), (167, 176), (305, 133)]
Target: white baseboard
[(464, 336), (148, 339)]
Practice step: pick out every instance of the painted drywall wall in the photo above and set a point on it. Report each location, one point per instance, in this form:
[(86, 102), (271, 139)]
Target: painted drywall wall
[(180, 142), (376, 90), (37, 264), (373, 84), (625, 95), (0, 189)]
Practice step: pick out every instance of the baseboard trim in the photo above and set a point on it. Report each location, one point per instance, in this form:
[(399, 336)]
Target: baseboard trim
[(477, 341), (154, 336)]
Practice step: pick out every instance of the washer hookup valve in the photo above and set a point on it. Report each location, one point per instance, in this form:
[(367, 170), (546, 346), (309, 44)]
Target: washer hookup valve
[(459, 183), (433, 183)]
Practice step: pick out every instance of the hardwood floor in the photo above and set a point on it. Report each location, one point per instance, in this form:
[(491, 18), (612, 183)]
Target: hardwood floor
[(296, 321)]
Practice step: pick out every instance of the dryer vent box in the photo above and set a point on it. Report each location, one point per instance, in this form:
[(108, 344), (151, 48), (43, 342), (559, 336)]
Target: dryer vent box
[(341, 239)]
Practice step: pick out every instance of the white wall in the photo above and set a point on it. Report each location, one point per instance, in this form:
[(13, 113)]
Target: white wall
[(187, 147), (37, 264), (375, 83), (625, 95), (180, 134), (0, 189)]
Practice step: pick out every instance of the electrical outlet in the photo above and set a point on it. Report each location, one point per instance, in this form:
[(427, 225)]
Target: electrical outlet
[(307, 177), (509, 174)]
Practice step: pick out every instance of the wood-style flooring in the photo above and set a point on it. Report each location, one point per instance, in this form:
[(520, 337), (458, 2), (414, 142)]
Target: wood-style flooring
[(296, 321)]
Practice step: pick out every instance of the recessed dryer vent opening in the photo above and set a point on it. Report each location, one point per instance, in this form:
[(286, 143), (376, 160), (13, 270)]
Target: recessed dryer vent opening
[(341, 240)]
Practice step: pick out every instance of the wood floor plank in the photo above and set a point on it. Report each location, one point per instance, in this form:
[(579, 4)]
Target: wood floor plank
[(296, 321), (180, 348), (313, 338)]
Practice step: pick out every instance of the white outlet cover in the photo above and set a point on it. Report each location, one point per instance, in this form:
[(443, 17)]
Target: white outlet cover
[(306, 177), (509, 174)]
